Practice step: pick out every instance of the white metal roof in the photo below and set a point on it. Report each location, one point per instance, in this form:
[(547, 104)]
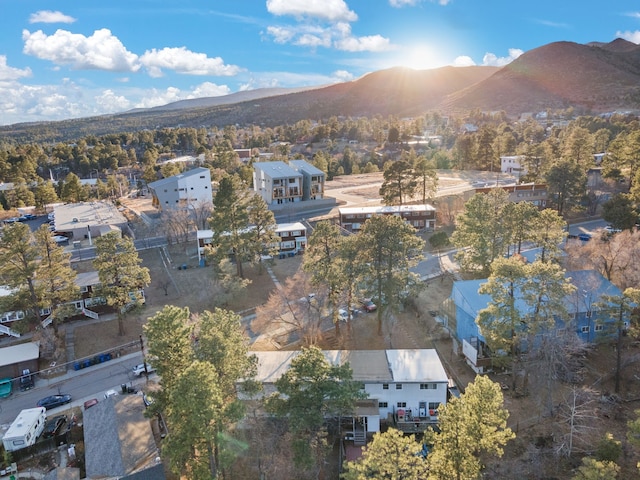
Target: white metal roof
[(386, 209), (417, 365), (19, 353), (23, 422)]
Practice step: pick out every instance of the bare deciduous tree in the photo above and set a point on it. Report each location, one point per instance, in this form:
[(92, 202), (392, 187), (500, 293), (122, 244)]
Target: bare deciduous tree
[(578, 421), (293, 309)]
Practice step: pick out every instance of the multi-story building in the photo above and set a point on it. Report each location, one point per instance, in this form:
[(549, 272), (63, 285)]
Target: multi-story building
[(277, 183), (312, 179), (421, 217), (586, 320), (293, 239), (189, 189), (535, 193), (405, 387), (88, 301)]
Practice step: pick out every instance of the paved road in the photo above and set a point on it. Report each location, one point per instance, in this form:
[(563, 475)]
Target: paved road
[(82, 385)]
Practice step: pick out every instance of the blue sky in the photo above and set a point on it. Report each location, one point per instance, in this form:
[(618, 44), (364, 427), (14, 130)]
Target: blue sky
[(64, 59)]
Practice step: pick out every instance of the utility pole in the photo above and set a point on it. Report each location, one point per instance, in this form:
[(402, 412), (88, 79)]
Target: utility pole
[(144, 360)]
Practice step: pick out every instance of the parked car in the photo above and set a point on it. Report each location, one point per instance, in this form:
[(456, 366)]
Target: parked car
[(368, 305), (90, 403), (11, 220), (5, 387), (54, 401), (54, 426), (110, 393), (611, 229), (139, 369), (60, 239), (343, 315)]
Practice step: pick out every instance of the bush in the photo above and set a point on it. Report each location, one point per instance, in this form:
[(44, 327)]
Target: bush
[(609, 449), (439, 240)]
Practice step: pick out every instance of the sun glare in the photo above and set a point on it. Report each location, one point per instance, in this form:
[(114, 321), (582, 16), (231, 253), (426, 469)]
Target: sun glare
[(418, 57)]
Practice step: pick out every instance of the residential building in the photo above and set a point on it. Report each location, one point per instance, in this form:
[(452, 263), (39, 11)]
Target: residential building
[(185, 190), (17, 358), (88, 220), (421, 217), (586, 321), (535, 193), (513, 164), (405, 387), (119, 441), (85, 304), (293, 239), (312, 179), (277, 183)]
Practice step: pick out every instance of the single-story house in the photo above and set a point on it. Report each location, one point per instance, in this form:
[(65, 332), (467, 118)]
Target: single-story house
[(418, 216)]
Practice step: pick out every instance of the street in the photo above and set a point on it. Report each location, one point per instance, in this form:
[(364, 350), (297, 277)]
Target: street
[(82, 385)]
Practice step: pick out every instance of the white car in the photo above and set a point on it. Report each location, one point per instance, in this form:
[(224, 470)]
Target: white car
[(139, 369), (60, 238), (343, 315)]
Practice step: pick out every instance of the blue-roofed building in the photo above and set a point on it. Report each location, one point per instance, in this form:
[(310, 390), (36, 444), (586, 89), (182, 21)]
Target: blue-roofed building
[(586, 321)]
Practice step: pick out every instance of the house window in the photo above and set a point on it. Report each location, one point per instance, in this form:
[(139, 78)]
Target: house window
[(292, 180), (398, 386), (84, 289), (585, 329), (598, 328), (401, 404), (428, 386), (383, 404), (385, 386)]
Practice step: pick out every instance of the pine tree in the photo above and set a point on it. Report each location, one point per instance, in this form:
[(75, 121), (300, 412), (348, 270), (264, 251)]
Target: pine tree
[(122, 278)]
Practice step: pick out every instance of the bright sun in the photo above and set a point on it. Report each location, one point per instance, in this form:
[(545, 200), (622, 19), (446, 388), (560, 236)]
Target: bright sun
[(418, 57)]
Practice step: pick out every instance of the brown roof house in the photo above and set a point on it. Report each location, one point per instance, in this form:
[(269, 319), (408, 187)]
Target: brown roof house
[(119, 442)]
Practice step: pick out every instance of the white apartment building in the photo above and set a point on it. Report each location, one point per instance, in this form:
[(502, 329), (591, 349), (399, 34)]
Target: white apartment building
[(185, 190), (277, 183)]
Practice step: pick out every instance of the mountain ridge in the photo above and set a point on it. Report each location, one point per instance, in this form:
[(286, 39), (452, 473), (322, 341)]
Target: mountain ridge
[(594, 78)]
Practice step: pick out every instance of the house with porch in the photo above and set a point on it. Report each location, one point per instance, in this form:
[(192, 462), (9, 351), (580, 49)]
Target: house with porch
[(405, 387), (293, 239), (585, 319), (86, 304), (421, 217)]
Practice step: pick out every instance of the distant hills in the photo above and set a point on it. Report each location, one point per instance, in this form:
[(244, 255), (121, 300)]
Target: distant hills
[(594, 78)]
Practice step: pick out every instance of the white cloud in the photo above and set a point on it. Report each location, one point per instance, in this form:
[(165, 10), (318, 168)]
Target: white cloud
[(371, 43), (281, 34), (110, 102), (491, 59), (343, 75), (208, 89), (331, 10), (337, 35), (185, 61), (463, 61), (100, 51), (412, 3), (49, 16), (8, 73), (631, 36)]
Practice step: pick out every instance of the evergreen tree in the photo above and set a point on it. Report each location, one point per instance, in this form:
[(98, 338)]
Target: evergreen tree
[(122, 278), (56, 278), (391, 455)]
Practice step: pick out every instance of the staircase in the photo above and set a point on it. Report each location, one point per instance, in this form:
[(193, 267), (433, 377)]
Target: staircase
[(359, 437), (47, 321), (7, 331), (90, 314)]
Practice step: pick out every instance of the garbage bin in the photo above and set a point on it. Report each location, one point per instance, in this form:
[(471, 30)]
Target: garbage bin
[(124, 387)]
